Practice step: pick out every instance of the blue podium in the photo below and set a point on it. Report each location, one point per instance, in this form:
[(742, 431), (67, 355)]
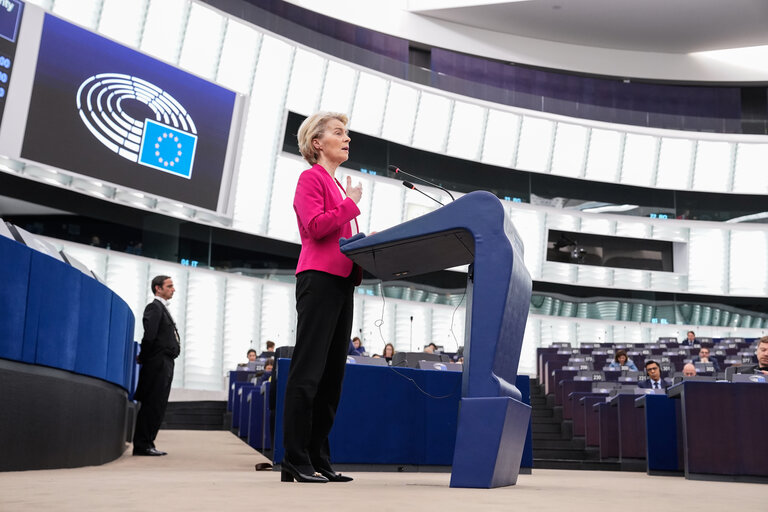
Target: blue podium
[(472, 230)]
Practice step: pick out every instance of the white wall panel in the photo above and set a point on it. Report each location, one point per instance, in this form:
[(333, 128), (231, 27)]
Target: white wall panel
[(123, 20), (203, 340), (530, 227), (598, 225), (386, 206), (239, 54), (748, 270), (638, 162), (630, 229), (448, 327), (707, 260), (751, 169), (535, 144), (399, 115), (501, 135), (378, 323), (604, 151), (466, 134), (262, 135), (202, 41), (432, 122), (713, 166), (82, 12), (674, 168), (370, 97), (306, 82), (570, 146), (282, 216), (164, 29), (242, 315), (338, 89), (278, 313), (412, 326)]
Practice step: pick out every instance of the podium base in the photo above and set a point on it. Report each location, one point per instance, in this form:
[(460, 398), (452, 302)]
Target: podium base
[(489, 442)]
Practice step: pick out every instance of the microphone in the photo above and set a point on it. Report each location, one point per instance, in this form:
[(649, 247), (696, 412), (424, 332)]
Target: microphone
[(409, 185), (397, 170)]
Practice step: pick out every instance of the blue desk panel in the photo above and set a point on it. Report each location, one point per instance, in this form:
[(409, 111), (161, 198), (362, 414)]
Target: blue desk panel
[(664, 447), (14, 276)]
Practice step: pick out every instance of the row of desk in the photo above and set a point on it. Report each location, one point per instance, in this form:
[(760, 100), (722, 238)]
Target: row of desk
[(704, 430), (386, 415)]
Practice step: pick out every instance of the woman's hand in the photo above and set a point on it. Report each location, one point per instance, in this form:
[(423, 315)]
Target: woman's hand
[(354, 193)]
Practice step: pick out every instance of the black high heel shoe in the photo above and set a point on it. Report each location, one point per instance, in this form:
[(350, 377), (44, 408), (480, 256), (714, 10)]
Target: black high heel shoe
[(334, 477), (289, 473)]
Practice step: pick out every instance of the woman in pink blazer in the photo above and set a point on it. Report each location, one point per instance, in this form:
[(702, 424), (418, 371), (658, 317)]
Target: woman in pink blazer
[(325, 282)]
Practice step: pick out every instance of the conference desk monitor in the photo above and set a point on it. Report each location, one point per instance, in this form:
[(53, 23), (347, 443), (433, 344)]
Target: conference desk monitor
[(5, 230), (412, 359)]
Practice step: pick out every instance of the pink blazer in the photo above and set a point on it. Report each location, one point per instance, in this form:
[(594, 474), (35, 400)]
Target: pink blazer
[(323, 217)]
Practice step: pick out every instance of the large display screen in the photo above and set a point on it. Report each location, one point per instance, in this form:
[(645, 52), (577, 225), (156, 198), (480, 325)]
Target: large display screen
[(103, 110), (10, 21)]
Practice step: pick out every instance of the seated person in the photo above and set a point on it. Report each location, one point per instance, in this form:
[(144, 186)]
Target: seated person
[(270, 352), (704, 358), (388, 352), (621, 360), (654, 380), (267, 374), (355, 348), (430, 349), (762, 359), (689, 370), (690, 338), (251, 355), (359, 346), (459, 355)]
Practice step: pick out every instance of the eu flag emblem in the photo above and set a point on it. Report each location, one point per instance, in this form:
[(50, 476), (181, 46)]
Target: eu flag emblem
[(167, 149)]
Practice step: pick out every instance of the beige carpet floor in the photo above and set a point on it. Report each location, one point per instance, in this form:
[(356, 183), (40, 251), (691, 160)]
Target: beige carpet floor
[(215, 471)]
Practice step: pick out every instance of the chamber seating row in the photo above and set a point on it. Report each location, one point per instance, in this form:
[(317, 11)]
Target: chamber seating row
[(67, 360), (58, 315), (416, 414)]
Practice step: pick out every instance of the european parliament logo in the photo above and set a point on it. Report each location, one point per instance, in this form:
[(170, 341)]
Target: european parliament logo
[(166, 143)]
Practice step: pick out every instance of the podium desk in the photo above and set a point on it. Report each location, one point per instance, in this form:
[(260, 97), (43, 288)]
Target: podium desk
[(567, 388), (591, 418), (663, 433), (723, 427), (631, 426), (608, 419), (475, 230)]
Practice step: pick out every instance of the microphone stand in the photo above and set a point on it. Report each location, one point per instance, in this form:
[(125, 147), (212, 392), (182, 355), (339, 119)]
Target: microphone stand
[(397, 170)]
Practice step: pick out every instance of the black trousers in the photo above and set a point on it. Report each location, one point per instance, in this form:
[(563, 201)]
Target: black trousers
[(324, 304), (155, 377)]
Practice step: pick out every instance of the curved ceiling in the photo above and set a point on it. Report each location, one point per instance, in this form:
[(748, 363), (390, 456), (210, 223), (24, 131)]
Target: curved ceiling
[(666, 26)]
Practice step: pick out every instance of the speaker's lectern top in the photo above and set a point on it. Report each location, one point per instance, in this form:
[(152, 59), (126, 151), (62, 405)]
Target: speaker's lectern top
[(473, 229)]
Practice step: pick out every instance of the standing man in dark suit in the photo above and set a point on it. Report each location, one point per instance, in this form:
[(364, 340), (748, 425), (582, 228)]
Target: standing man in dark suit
[(654, 380), (159, 347)]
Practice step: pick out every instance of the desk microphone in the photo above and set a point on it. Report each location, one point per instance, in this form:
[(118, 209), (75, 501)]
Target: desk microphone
[(409, 185), (397, 170)]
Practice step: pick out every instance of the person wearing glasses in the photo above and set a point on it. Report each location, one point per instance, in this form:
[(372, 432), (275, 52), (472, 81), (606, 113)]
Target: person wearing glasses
[(654, 380)]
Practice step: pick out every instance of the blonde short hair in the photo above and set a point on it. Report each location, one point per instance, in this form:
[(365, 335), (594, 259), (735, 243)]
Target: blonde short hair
[(313, 128)]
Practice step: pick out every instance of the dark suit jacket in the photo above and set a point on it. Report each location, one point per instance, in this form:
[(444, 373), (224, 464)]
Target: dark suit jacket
[(712, 360), (647, 384), (749, 368), (159, 333)]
